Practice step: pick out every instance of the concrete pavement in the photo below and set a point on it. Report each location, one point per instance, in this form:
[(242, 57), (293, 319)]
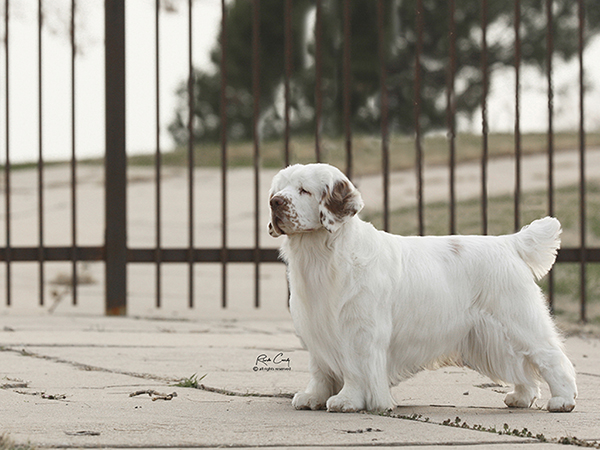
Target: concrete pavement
[(66, 382)]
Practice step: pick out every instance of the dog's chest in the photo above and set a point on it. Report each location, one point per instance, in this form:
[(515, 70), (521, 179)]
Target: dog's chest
[(315, 308)]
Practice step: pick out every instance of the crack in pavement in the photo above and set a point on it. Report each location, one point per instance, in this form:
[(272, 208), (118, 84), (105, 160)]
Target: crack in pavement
[(88, 367)]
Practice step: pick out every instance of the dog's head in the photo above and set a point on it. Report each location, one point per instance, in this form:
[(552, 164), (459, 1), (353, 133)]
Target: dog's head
[(305, 198)]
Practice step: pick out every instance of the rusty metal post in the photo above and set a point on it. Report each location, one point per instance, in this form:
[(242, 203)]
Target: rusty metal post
[(7, 155), (517, 24), (385, 147), (223, 116), (484, 118), (318, 78), (549, 69), (115, 160), (347, 81), (191, 164), (40, 163), (417, 118), (73, 161), (287, 77), (582, 196), (451, 111), (256, 142), (157, 161)]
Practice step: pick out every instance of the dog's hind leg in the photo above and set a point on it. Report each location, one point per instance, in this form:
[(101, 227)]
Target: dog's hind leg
[(557, 370), (537, 338), (525, 353), (489, 350), (522, 396)]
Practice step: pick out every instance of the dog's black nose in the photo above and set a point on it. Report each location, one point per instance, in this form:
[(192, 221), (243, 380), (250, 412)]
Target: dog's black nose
[(277, 202)]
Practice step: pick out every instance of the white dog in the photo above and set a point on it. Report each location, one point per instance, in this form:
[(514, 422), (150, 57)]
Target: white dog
[(373, 308)]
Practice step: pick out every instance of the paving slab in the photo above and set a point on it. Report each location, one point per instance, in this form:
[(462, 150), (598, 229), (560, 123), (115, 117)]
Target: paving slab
[(66, 382)]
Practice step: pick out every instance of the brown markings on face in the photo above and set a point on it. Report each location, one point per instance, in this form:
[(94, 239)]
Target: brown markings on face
[(337, 200)]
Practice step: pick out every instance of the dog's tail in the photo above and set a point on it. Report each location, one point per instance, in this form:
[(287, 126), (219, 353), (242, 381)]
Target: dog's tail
[(538, 243)]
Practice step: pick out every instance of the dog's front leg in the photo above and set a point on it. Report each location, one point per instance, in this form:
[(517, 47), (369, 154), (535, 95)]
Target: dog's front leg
[(320, 387), (365, 385)]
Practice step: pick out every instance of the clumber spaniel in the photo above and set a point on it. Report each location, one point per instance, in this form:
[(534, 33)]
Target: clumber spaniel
[(373, 308)]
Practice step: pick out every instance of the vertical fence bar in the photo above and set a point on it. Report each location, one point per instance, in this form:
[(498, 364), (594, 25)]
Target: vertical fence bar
[(7, 155), (385, 148), (287, 78), (223, 114), (484, 119), (157, 158), (115, 159), (549, 73), (318, 78), (73, 162), (347, 76), (549, 68), (190, 155), (417, 113), (451, 111), (40, 171), (582, 178), (256, 139), (517, 137)]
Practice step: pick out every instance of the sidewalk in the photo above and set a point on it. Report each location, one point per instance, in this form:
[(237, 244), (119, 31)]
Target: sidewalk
[(65, 382)]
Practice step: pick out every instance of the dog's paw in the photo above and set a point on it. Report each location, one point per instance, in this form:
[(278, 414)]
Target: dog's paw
[(515, 400), (341, 403), (303, 400), (560, 404)]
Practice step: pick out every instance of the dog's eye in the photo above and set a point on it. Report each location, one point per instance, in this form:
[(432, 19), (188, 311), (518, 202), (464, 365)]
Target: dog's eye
[(303, 191)]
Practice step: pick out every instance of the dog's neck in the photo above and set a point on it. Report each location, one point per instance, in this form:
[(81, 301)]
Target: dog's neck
[(320, 247), (318, 243)]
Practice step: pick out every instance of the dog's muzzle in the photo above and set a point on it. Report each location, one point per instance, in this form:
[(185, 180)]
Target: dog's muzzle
[(278, 210)]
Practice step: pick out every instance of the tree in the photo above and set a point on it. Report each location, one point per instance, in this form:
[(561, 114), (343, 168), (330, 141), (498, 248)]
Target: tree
[(401, 43)]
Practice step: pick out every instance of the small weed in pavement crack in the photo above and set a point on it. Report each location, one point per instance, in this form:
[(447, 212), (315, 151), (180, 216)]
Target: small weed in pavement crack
[(7, 444), (506, 430), (572, 440), (191, 382), (459, 423)]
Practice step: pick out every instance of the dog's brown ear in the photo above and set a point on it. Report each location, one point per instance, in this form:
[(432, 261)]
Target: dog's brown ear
[(338, 204)]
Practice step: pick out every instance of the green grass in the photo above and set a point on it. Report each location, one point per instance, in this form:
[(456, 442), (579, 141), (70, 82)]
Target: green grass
[(191, 382), (7, 444), (366, 150)]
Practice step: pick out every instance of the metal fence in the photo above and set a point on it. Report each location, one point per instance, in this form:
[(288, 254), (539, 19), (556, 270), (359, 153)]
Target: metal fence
[(115, 252)]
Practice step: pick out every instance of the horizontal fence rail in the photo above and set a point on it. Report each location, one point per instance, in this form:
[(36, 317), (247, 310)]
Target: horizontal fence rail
[(327, 107), (202, 255)]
